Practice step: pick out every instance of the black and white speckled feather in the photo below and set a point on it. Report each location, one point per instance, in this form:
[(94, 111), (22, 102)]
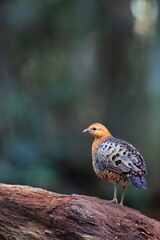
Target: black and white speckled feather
[(121, 157)]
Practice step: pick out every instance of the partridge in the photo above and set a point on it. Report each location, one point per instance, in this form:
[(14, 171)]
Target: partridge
[(116, 161)]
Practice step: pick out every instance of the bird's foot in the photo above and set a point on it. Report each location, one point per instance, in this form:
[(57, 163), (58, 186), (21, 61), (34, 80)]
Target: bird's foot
[(114, 200)]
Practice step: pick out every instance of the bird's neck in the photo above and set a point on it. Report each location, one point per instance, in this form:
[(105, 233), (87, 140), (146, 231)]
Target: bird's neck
[(96, 142)]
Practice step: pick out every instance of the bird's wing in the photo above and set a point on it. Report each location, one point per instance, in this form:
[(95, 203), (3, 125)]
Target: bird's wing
[(116, 157), (133, 151)]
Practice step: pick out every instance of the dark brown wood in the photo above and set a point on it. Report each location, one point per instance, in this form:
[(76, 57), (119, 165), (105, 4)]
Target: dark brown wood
[(28, 213)]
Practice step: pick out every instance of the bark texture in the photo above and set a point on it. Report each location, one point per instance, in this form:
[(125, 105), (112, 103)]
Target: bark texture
[(28, 213)]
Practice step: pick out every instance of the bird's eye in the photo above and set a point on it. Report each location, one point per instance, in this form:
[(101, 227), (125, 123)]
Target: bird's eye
[(94, 128)]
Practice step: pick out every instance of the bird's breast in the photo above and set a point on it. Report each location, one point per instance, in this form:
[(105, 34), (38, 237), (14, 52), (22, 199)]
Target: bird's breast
[(100, 167)]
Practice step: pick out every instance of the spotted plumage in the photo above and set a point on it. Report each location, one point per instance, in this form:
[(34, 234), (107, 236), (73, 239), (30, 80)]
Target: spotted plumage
[(116, 160)]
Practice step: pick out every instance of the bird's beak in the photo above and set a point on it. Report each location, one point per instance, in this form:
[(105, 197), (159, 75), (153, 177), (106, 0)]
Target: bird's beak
[(86, 131)]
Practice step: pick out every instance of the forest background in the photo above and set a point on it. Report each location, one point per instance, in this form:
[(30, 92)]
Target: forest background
[(65, 64)]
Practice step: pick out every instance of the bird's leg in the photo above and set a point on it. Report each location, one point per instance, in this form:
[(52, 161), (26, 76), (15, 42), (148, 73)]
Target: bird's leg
[(115, 194), (123, 192)]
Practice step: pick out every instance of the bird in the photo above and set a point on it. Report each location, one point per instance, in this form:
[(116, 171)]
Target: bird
[(116, 161)]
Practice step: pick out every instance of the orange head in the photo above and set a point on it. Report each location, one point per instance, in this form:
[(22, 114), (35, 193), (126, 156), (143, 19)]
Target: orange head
[(98, 130)]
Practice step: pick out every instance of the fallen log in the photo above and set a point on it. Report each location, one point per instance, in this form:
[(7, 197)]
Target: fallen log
[(28, 213)]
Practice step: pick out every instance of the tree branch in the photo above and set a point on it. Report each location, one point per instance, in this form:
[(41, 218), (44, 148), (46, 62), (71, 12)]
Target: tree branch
[(28, 213)]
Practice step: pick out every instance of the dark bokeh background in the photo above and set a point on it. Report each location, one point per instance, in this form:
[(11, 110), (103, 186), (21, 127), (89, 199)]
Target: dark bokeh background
[(65, 64)]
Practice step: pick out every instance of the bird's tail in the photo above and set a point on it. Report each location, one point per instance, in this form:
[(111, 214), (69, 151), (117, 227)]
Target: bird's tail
[(138, 180)]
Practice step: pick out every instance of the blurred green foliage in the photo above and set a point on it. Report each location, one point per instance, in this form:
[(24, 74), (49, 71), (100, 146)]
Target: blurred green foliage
[(65, 64)]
